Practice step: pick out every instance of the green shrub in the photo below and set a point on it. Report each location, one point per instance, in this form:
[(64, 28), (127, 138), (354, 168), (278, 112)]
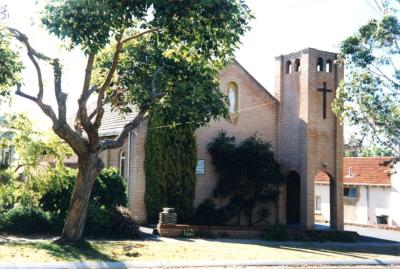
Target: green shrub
[(284, 233), (19, 194), (109, 189), (26, 220), (333, 236), (6, 176), (98, 221), (188, 233), (116, 223), (7, 197), (207, 214), (248, 177), (57, 192), (123, 224), (170, 164), (48, 199), (279, 233)]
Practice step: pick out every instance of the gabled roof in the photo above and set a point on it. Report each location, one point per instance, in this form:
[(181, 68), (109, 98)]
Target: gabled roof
[(369, 171), (259, 85), (113, 121)]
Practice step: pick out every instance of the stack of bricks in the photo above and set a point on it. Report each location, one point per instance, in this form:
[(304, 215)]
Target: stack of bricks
[(167, 216)]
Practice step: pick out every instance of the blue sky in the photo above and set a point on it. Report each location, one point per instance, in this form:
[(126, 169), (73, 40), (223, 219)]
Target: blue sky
[(280, 27)]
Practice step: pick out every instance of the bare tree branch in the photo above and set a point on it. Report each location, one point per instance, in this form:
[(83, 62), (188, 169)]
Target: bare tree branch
[(77, 124), (379, 72), (60, 126), (392, 63), (120, 42), (61, 97), (99, 107), (139, 35), (379, 7), (371, 122), (397, 45), (48, 110), (19, 166), (82, 120), (24, 39), (24, 95), (91, 115), (119, 141), (32, 54), (88, 77), (141, 116)]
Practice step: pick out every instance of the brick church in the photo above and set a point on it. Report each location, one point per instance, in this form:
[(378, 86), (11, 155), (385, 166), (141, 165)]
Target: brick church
[(298, 121)]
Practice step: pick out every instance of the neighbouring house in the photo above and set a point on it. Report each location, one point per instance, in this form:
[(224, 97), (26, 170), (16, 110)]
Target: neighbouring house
[(297, 119), (7, 153), (371, 192), (7, 156)]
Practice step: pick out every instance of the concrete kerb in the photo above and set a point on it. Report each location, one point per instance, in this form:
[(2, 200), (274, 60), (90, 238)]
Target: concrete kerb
[(181, 264)]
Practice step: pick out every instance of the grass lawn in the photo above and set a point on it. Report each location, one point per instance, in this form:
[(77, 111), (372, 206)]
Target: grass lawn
[(45, 251)]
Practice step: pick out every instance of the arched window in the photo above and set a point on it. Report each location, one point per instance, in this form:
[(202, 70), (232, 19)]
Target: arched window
[(122, 163), (329, 66), (320, 65), (233, 97), (297, 65), (288, 67)]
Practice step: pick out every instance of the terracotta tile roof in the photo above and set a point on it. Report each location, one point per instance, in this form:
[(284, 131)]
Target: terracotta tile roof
[(364, 171)]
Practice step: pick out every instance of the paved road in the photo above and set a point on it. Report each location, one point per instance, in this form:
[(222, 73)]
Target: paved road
[(374, 233), (368, 234)]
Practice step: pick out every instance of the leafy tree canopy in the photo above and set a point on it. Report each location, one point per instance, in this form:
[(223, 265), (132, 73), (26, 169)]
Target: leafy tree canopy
[(31, 146), (193, 41), (162, 54), (360, 146), (10, 65), (190, 88), (370, 97), (209, 28)]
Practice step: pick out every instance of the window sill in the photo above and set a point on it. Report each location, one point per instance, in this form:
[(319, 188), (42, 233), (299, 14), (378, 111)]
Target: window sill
[(234, 117), (350, 197)]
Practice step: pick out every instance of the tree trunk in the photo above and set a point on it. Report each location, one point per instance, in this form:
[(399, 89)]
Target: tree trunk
[(89, 168), (250, 217), (276, 201)]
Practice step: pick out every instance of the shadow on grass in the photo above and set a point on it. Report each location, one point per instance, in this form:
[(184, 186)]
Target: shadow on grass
[(72, 252), (356, 251), (328, 249), (332, 252)]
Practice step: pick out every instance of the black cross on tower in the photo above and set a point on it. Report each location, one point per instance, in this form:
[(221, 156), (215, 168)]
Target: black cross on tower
[(324, 90)]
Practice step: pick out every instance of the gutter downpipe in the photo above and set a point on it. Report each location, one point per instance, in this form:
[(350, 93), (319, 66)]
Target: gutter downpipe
[(129, 167)]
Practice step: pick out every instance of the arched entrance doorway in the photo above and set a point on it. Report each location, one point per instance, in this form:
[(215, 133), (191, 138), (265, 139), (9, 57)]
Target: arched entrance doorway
[(293, 198), (322, 197)]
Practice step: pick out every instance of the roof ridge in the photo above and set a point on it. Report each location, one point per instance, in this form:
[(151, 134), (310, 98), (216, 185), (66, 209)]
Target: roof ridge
[(255, 80)]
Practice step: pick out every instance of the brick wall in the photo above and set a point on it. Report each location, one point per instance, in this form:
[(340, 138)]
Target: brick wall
[(135, 175), (137, 182), (308, 143), (303, 141), (257, 115)]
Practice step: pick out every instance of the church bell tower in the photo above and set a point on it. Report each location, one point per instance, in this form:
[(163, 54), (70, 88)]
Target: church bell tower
[(310, 138)]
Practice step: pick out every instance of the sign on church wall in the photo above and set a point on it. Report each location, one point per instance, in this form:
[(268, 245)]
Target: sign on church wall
[(200, 167)]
